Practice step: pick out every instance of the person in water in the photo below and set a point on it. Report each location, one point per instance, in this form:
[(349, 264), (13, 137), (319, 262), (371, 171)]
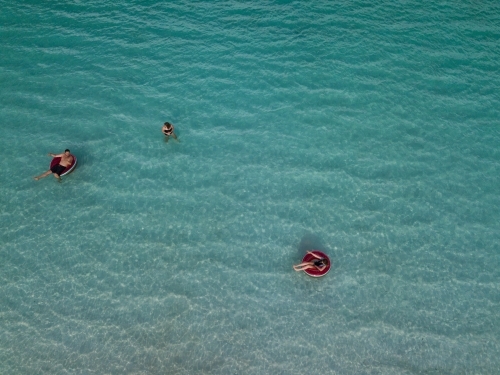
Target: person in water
[(168, 130), (319, 263), (66, 160)]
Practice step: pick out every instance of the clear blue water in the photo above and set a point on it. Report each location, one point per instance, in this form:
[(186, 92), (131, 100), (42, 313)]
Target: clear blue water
[(369, 130)]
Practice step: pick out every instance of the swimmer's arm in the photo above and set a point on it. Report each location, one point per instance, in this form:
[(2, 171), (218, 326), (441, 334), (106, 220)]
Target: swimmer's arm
[(314, 255), (55, 156)]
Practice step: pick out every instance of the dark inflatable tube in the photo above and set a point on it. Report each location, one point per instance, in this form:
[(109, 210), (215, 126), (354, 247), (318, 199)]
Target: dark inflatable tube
[(68, 169), (314, 272)]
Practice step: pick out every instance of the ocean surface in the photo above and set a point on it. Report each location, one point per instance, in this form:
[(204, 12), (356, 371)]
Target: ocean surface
[(369, 130)]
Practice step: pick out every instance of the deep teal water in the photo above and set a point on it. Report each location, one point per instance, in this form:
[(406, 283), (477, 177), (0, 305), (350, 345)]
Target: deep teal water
[(369, 130)]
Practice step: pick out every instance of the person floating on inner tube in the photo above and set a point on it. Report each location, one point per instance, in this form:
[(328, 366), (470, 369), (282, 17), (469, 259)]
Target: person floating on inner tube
[(319, 263), (168, 130), (66, 160)]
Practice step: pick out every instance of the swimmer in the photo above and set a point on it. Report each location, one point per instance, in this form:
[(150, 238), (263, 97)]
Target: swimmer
[(168, 130), (319, 263), (66, 160)]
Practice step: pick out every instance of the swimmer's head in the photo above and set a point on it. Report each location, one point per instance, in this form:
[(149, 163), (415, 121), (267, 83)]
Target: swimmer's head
[(167, 124), (325, 261), (66, 151)]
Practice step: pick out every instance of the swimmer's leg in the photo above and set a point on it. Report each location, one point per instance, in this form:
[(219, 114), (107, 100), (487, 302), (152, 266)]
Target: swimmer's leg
[(303, 266), (43, 175), (307, 267)]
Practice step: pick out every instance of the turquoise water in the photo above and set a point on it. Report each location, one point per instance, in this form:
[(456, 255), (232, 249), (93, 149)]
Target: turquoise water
[(368, 130)]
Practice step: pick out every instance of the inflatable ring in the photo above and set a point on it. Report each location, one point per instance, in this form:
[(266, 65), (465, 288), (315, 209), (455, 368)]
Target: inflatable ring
[(314, 272), (68, 169)]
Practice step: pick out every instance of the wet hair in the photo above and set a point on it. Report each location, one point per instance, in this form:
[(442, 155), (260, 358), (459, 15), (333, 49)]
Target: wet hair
[(325, 261), (167, 123), (67, 150)]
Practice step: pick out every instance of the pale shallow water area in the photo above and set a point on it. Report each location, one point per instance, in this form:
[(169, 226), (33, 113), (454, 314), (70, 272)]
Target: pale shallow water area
[(369, 131)]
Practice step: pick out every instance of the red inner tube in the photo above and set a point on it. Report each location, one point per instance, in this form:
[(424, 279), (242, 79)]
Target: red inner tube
[(314, 272), (68, 169)]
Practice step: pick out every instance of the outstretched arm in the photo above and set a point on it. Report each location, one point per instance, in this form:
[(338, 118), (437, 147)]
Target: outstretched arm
[(55, 156), (314, 255)]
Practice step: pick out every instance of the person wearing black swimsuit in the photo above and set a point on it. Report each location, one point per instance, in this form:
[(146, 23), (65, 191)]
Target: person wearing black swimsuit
[(168, 130), (66, 160), (319, 263)]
